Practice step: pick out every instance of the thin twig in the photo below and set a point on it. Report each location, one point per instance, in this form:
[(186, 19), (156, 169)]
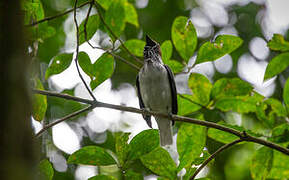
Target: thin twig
[(106, 50), (113, 34), (77, 51), (46, 127), (242, 135), (214, 155), (57, 15)]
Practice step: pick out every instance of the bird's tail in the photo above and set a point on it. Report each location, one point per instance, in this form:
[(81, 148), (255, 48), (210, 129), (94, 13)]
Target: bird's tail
[(165, 131)]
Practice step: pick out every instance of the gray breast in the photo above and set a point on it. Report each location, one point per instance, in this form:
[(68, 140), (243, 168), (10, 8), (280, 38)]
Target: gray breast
[(155, 88)]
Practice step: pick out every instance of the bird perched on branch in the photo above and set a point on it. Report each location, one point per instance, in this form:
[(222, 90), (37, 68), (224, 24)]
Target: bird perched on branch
[(156, 90)]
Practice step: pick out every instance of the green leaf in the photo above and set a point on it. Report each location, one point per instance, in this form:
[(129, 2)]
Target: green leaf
[(98, 72), (224, 44), (160, 162), (102, 177), (277, 65), (240, 104), (286, 94), (280, 168), (184, 37), (121, 147), (261, 163), (278, 43), (143, 143), (59, 63), (176, 66), (91, 27), (130, 175), (167, 50), (105, 3), (131, 14), (280, 133), (186, 105), (201, 88), (46, 171), (221, 136), (276, 107), (135, 46), (190, 143), (230, 87), (39, 105), (115, 17), (91, 155)]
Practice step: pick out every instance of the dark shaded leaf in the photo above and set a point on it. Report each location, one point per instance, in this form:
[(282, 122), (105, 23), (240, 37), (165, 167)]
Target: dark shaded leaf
[(184, 37), (286, 94), (130, 175), (91, 28), (224, 44), (91, 155), (102, 177), (160, 162), (280, 133)]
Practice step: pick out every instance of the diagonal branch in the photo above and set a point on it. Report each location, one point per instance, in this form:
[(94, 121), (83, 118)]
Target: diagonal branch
[(61, 120), (77, 51), (113, 34), (57, 15), (106, 50), (242, 135), (226, 146)]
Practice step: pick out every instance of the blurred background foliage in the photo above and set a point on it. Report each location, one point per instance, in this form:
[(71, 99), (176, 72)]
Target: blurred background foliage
[(253, 105)]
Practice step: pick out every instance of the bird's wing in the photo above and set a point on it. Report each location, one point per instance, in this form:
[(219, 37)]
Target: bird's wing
[(141, 104), (173, 90)]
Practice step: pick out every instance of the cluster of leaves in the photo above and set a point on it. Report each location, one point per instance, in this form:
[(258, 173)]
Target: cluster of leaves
[(143, 155)]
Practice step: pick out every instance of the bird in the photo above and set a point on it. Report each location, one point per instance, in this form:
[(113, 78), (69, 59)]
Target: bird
[(156, 90)]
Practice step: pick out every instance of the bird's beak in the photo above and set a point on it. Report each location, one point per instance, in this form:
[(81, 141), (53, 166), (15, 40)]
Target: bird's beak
[(150, 42)]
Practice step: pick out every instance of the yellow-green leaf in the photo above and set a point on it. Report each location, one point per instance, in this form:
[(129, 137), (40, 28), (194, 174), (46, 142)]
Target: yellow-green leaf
[(278, 43), (39, 103), (277, 65)]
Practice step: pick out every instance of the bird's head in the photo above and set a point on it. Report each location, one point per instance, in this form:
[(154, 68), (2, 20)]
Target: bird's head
[(152, 51)]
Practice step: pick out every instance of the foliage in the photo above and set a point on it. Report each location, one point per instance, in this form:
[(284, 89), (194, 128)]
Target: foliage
[(226, 96)]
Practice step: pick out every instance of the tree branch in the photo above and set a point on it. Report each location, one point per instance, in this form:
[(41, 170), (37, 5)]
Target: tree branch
[(106, 50), (214, 155), (61, 120), (242, 135), (113, 34), (56, 16), (77, 51)]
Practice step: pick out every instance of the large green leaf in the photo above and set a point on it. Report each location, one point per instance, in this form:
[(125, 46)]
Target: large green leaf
[(131, 14), (39, 103), (102, 177), (121, 147), (280, 168), (276, 107), (176, 66), (105, 3), (59, 63), (98, 72), (286, 94), (167, 50), (277, 65), (280, 133), (224, 44), (115, 17), (186, 105), (230, 87), (46, 171), (160, 162), (240, 104), (91, 27), (201, 88), (190, 143), (278, 43), (221, 136), (91, 155), (143, 143), (184, 37), (135, 46), (261, 163), (130, 175)]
